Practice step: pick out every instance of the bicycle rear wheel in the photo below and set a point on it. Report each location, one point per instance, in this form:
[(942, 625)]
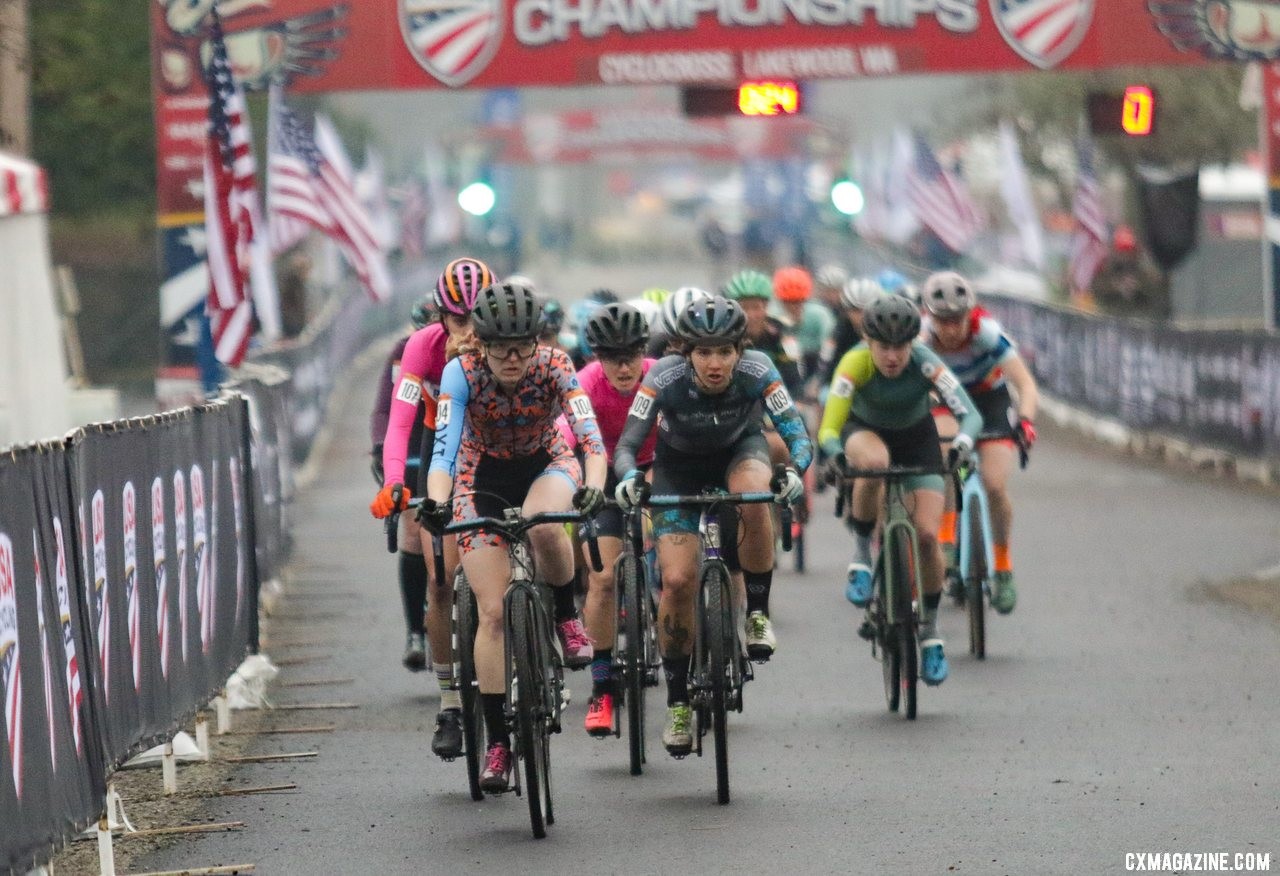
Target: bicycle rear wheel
[(530, 707), (721, 636), (974, 583), (891, 665), (464, 637), (634, 602)]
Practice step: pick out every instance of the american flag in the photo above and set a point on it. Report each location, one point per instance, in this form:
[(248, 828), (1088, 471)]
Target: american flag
[(305, 188), (1089, 242), (940, 201), (229, 205)]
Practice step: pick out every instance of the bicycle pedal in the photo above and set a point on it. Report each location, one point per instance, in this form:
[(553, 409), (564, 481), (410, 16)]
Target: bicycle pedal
[(867, 631)]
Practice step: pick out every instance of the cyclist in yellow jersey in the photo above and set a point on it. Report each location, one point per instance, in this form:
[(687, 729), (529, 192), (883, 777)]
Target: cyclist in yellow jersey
[(878, 414)]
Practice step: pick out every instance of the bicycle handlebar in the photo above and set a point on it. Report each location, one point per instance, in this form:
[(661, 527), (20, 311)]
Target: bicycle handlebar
[(514, 531)]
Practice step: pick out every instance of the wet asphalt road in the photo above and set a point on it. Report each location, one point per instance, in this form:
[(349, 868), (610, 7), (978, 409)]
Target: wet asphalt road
[(1119, 710)]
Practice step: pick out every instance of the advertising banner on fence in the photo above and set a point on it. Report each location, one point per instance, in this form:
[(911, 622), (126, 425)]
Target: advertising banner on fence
[(169, 566), (51, 776), (1219, 389)]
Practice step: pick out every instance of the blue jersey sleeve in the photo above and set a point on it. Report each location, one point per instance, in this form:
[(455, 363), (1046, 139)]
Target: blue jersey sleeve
[(786, 419), (451, 411)]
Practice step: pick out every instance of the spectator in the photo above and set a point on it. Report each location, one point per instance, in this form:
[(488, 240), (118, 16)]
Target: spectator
[(1129, 283), (293, 294)]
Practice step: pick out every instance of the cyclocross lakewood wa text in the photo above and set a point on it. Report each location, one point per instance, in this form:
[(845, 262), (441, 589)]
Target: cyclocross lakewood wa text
[(1198, 862)]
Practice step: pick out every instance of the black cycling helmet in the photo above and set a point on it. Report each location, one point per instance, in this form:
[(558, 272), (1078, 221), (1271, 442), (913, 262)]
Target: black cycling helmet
[(712, 321), (616, 327), (602, 296), (891, 319), (423, 312), (506, 312), (552, 316)]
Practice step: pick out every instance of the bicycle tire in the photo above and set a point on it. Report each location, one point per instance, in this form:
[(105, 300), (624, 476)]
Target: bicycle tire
[(904, 621), (633, 600), (720, 633), (891, 665), (975, 582), (465, 622), (530, 703)]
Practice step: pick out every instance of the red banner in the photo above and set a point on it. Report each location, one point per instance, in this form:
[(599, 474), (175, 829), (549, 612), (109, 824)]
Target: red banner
[(409, 44)]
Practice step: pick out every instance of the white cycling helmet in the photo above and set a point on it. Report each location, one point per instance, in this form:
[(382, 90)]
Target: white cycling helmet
[(652, 312), (860, 293), (521, 280), (831, 277), (677, 304), (948, 295)]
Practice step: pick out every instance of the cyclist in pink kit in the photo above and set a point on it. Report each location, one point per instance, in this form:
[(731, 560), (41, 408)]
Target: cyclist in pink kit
[(617, 334), (421, 366)]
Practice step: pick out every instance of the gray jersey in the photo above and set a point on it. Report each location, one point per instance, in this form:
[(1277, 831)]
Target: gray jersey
[(696, 422)]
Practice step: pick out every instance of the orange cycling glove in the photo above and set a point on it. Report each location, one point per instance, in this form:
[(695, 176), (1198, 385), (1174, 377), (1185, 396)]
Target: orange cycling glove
[(384, 503)]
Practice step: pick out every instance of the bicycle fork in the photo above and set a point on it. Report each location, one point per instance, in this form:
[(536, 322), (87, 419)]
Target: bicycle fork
[(975, 494)]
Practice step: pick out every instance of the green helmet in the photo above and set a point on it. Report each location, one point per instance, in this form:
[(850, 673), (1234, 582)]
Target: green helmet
[(657, 295), (748, 284)]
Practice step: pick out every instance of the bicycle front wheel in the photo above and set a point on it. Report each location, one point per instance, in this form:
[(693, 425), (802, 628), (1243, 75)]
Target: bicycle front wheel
[(530, 706), (635, 607), (721, 638), (464, 638), (975, 581), (904, 621)]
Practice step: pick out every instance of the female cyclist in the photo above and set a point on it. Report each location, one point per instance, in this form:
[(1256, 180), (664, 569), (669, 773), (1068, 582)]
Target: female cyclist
[(878, 414), (498, 445), (617, 333), (421, 366), (709, 436)]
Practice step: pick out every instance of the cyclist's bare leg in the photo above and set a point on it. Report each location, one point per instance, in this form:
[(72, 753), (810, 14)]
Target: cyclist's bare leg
[(600, 611), (926, 514), (865, 449), (997, 462), (778, 452), (678, 560), (440, 615), (488, 570), (552, 547), (755, 539)]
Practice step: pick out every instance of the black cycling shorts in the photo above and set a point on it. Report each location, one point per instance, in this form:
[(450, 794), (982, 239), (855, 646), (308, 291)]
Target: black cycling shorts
[(999, 420), (916, 445)]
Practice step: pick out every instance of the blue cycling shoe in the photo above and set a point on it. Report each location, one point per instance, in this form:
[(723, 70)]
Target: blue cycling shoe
[(933, 663), (858, 588)]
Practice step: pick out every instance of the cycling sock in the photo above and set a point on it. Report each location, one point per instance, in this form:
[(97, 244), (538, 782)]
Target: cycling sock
[(495, 719), (565, 607), (602, 672), (929, 616), (413, 588), (1004, 563), (677, 671), (862, 530), (947, 532), (449, 698), (758, 584)]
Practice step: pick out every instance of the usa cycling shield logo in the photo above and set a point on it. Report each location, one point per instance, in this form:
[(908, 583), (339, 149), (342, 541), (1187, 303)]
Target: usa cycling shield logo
[(1044, 32), (453, 40)]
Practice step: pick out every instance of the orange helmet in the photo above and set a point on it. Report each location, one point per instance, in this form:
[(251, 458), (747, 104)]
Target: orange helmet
[(792, 284)]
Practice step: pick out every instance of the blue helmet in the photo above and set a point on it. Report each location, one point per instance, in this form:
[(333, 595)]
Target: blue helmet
[(891, 280)]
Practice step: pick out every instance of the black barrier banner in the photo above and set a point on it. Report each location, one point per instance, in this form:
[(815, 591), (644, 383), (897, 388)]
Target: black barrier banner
[(171, 581), (1215, 388), (51, 777), (266, 391)]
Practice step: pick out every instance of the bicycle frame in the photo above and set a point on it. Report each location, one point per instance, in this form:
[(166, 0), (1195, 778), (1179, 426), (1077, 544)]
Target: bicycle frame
[(972, 491)]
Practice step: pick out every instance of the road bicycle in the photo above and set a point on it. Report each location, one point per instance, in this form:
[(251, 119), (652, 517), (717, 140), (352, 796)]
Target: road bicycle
[(970, 581), (534, 671), (892, 621), (720, 664)]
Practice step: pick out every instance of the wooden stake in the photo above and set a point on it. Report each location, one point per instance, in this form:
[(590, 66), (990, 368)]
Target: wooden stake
[(228, 869), (320, 728), (220, 827), (318, 682), (234, 792), (264, 758), (299, 661), (297, 707)]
